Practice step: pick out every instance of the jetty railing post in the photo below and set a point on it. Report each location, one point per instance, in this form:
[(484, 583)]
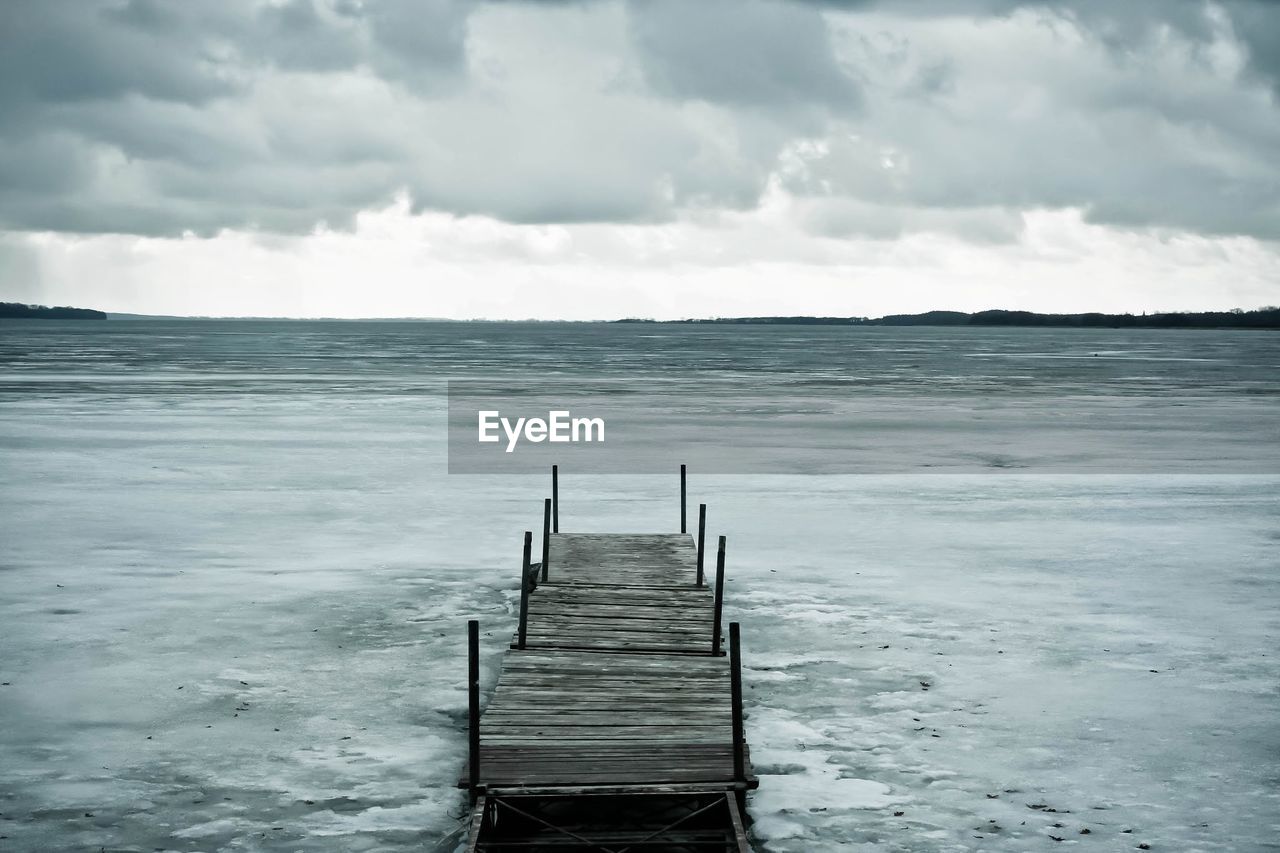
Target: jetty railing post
[(735, 694), (473, 708), (546, 536), (683, 526), (555, 498), (524, 590), (702, 539), (715, 623)]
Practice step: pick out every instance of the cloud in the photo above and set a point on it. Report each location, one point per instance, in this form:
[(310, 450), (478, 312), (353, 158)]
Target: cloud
[(20, 270), (771, 55), (762, 261), (881, 119), (60, 52), (1166, 135)]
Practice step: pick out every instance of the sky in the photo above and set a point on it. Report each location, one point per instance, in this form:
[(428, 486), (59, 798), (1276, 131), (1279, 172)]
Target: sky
[(650, 158)]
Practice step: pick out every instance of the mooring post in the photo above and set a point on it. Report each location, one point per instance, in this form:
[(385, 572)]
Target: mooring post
[(524, 590), (715, 624), (735, 698), (683, 526), (555, 498), (702, 538), (546, 536), (473, 707)]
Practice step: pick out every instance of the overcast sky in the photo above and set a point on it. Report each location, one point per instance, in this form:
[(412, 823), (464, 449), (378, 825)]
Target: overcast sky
[(665, 159)]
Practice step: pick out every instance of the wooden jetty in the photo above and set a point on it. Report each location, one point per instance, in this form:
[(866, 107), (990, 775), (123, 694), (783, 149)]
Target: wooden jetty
[(616, 723)]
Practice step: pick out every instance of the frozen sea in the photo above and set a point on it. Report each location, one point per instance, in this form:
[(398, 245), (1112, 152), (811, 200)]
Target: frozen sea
[(235, 576)]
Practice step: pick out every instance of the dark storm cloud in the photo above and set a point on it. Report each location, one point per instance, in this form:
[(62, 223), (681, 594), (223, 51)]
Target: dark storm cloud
[(140, 116), (772, 55), (195, 50), (159, 116), (1258, 24), (57, 52)]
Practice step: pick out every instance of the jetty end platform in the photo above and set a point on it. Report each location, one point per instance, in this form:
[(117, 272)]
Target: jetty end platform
[(617, 723)]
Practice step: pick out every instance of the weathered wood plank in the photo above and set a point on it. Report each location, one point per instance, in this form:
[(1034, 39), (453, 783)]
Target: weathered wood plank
[(692, 733), (604, 698), (605, 790), (533, 658), (739, 831), (622, 616)]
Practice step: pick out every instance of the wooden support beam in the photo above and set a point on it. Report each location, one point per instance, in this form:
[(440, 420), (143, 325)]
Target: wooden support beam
[(546, 536), (473, 710), (702, 539), (523, 631), (735, 702), (741, 845), (478, 809), (684, 528), (555, 498), (719, 605)]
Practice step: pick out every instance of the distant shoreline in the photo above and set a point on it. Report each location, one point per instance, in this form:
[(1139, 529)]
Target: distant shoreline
[(19, 311), (1261, 318)]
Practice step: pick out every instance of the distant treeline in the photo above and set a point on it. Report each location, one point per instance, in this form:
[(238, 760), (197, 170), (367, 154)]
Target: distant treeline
[(1263, 318), (43, 312)]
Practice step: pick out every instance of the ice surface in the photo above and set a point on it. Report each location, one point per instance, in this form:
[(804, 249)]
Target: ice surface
[(232, 618)]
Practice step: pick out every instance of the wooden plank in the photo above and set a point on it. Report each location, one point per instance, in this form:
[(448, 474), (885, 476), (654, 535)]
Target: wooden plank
[(604, 646), (551, 706), (620, 686), (640, 778), (571, 704), (642, 583), (639, 687), (735, 820), (711, 734), (641, 680), (685, 595), (542, 718), (674, 591), (622, 616), (651, 620), (673, 642), (615, 625), (693, 731), (633, 763), (680, 639), (532, 658), (553, 751), (656, 790), (589, 699)]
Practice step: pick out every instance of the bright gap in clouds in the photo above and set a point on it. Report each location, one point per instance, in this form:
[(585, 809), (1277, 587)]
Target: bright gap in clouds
[(395, 263)]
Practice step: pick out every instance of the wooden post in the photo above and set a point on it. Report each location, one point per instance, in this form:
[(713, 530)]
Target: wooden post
[(683, 526), (702, 538), (546, 536), (478, 810), (524, 590), (735, 694), (555, 498), (715, 624), (473, 707), (736, 804)]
